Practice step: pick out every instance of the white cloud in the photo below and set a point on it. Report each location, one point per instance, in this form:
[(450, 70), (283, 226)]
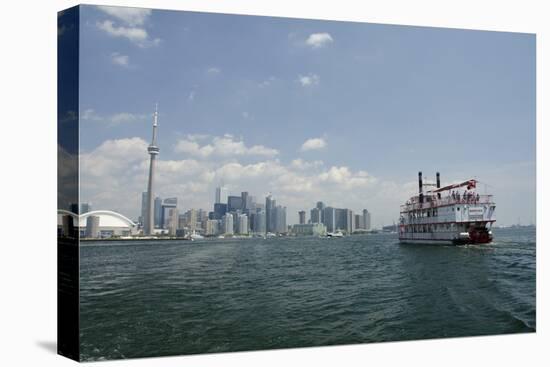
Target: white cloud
[(118, 59), (224, 146), (314, 143), (304, 165), (134, 34), (317, 40), (114, 119), (267, 82), (132, 24), (309, 80), (130, 16), (213, 70)]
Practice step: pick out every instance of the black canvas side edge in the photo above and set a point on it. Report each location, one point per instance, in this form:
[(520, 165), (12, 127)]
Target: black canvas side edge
[(68, 343)]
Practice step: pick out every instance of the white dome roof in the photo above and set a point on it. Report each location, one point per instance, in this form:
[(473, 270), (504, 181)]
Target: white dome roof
[(107, 218)]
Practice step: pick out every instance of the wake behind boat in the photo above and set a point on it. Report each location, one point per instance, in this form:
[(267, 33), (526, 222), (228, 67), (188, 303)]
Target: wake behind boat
[(454, 214)]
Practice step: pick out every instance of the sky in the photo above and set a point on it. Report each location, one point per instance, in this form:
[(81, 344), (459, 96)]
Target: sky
[(340, 112)]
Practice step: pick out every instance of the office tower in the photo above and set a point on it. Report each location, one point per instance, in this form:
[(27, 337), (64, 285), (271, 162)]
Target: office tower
[(168, 203), (219, 210), (192, 220), (329, 218), (227, 221), (269, 219), (366, 219), (321, 206), (358, 221), (243, 224), (340, 219), (234, 203), (350, 223), (315, 215), (245, 201), (172, 222), (212, 227), (92, 226), (257, 221), (221, 195), (302, 217), (279, 215), (153, 150), (158, 212)]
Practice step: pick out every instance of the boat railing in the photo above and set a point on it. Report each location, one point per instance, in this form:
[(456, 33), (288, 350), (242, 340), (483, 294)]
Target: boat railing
[(434, 202)]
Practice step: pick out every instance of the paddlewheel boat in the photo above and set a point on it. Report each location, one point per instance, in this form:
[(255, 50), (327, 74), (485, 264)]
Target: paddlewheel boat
[(453, 214)]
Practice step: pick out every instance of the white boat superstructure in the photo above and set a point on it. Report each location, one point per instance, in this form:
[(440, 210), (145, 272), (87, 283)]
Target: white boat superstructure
[(454, 214)]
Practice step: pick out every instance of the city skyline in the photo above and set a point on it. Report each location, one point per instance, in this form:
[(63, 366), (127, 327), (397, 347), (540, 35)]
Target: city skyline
[(303, 109)]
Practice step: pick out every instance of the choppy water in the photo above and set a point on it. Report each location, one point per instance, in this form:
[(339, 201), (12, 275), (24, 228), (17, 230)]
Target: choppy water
[(187, 297)]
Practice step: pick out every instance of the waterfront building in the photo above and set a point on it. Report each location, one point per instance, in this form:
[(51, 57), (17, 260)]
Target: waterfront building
[(153, 151), (321, 206), (350, 224), (366, 220), (212, 227), (92, 226), (279, 214), (172, 221), (309, 229), (227, 221), (302, 217), (221, 195), (329, 218), (243, 224), (167, 204), (109, 224), (358, 221), (315, 215), (259, 221)]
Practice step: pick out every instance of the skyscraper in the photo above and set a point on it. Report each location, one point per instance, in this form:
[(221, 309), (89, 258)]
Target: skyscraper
[(366, 219), (221, 195), (234, 203), (227, 221), (269, 218), (315, 215), (153, 150), (302, 217), (158, 212)]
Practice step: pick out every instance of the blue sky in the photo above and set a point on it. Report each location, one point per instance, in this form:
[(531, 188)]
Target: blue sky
[(239, 97)]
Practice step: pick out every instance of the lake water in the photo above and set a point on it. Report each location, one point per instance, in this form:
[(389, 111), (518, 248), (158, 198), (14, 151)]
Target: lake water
[(182, 297)]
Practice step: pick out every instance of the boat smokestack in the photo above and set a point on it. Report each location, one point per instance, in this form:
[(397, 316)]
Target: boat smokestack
[(420, 196), (438, 184)]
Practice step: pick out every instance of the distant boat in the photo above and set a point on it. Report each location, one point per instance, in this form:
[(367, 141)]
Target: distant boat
[(337, 234), (269, 234)]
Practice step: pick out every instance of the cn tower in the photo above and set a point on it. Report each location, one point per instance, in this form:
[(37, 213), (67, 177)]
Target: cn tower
[(153, 150)]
